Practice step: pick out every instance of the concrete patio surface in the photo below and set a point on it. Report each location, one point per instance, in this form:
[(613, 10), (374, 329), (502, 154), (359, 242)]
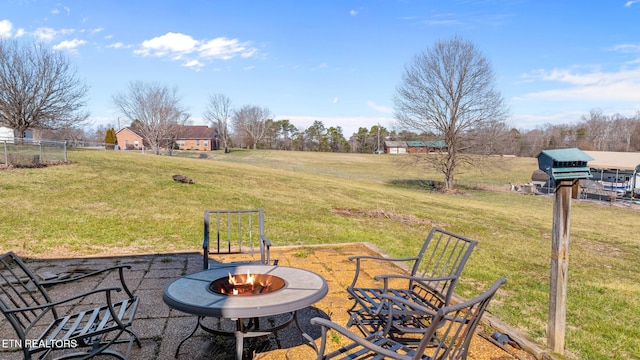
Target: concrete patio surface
[(161, 329)]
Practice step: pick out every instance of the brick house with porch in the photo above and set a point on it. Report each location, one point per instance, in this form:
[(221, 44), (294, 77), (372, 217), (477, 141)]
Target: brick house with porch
[(198, 137)]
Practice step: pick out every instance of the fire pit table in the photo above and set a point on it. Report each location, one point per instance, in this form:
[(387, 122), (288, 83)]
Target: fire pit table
[(226, 292)]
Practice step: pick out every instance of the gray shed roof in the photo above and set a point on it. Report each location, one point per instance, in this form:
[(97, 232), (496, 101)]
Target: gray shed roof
[(395, 144)]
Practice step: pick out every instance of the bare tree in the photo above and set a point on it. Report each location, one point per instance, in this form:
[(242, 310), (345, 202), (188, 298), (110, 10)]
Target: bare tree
[(491, 138), (39, 89), (218, 113), (157, 110), (250, 123), (450, 90)]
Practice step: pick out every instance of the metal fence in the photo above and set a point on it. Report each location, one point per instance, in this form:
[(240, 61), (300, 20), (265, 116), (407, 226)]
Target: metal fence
[(32, 153)]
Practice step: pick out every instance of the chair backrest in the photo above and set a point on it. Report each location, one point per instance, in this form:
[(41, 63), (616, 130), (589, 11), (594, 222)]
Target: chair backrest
[(453, 327), (443, 255), (234, 231), (19, 288)]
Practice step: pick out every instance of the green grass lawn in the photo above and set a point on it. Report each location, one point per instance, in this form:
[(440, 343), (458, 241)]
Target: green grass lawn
[(127, 202)]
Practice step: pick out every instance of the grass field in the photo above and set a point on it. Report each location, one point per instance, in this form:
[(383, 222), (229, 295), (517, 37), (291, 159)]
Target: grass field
[(126, 202)]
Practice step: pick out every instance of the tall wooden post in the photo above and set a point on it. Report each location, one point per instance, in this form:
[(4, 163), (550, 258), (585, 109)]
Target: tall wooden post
[(559, 266)]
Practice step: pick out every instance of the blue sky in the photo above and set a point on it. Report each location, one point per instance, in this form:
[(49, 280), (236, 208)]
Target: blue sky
[(340, 61)]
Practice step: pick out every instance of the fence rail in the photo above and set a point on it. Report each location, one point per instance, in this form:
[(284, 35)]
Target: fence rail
[(31, 153)]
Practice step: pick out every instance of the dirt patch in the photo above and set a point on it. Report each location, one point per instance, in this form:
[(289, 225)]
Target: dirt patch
[(34, 165), (408, 220)]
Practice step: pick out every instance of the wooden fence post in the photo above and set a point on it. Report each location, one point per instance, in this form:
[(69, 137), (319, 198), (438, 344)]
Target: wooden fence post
[(559, 266)]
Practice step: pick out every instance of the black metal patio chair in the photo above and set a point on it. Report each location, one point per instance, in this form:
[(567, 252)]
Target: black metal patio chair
[(448, 335), (435, 271), (83, 325), (235, 232)]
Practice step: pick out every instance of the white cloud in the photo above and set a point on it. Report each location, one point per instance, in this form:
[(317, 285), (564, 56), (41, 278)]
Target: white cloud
[(95, 31), (116, 45), (70, 45), (20, 32), (353, 12), (66, 31), (170, 43), (225, 49), (630, 2), (5, 28), (627, 48), (380, 108), (321, 66), (335, 100), (194, 64), (531, 121), (193, 52), (45, 34), (623, 85)]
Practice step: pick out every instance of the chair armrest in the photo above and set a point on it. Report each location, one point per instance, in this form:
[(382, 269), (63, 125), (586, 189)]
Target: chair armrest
[(358, 259), (60, 302), (120, 269), (407, 308), (422, 281), (414, 278), (369, 257), (267, 242), (328, 324), (267, 251), (418, 308)]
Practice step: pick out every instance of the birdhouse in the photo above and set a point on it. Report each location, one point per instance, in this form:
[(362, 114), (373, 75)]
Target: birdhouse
[(565, 164)]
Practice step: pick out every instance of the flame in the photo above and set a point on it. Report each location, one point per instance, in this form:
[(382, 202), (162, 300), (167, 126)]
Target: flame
[(248, 284), (249, 280)]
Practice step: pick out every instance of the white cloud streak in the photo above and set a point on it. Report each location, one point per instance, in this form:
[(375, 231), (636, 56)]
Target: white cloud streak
[(626, 48), (623, 85), (45, 34), (380, 108), (321, 66), (69, 45), (193, 52)]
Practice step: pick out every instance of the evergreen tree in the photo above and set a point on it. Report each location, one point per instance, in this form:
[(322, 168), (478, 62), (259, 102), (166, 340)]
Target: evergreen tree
[(110, 139)]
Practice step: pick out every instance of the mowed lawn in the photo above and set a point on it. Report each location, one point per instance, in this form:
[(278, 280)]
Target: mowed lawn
[(108, 202)]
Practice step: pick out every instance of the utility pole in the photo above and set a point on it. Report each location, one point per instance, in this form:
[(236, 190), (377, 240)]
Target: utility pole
[(378, 146)]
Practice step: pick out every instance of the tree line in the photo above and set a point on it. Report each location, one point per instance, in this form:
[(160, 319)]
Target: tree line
[(40, 89)]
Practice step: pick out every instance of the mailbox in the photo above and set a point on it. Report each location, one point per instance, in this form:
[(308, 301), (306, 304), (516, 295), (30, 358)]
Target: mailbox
[(565, 164)]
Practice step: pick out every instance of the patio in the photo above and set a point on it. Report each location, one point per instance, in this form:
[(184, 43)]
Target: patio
[(160, 328)]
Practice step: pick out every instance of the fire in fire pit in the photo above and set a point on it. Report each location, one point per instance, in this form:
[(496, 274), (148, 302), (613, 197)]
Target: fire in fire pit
[(246, 284)]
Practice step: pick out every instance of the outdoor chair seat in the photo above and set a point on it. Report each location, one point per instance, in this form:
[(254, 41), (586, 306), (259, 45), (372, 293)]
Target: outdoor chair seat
[(447, 336), (74, 327), (434, 274), (235, 232)]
